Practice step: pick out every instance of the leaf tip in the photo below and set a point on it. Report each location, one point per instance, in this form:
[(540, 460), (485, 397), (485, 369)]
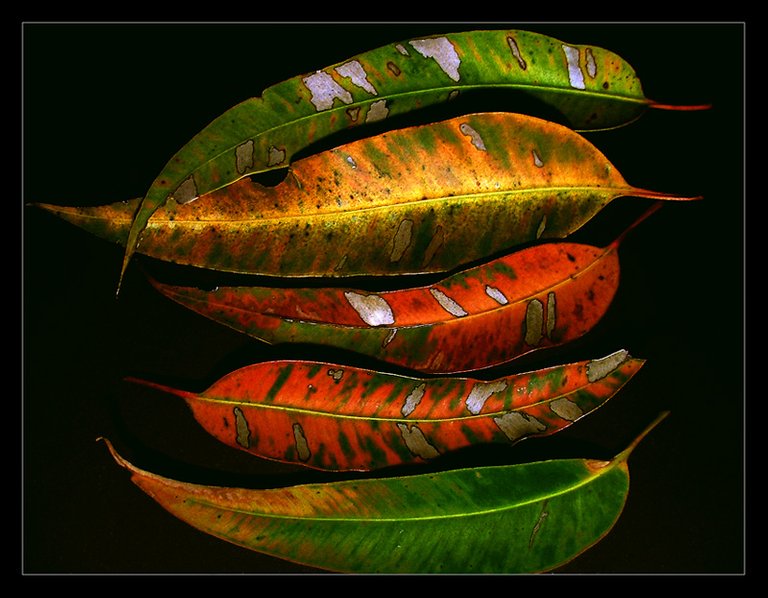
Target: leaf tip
[(681, 107), (115, 455), (624, 455)]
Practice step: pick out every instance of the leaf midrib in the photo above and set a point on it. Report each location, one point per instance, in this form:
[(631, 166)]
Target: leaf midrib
[(592, 477), (613, 191), (408, 420)]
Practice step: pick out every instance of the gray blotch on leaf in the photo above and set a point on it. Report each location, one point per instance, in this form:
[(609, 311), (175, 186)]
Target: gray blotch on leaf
[(542, 226), (447, 303), (325, 90), (413, 399), (575, 76), (474, 136), (496, 295), (600, 368), (302, 447), (244, 156), (442, 51), (434, 245), (401, 240), (516, 52), (186, 192), (518, 425), (356, 73), (372, 309), (534, 319), (242, 433), (389, 338), (276, 156), (417, 443), (481, 392), (591, 64), (377, 111), (551, 313), (566, 409)]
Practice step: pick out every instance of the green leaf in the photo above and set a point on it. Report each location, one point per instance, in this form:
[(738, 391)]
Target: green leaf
[(507, 519), (420, 199), (592, 87)]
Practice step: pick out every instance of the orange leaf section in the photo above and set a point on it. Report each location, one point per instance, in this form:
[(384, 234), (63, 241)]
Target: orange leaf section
[(423, 199)]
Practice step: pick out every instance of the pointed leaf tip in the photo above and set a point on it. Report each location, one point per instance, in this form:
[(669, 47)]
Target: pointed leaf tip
[(624, 455), (681, 108)]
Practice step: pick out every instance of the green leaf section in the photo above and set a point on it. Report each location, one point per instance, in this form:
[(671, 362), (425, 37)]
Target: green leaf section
[(520, 518), (593, 87)]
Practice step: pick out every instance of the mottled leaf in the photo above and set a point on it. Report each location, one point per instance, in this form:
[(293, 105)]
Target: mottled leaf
[(523, 518), (539, 297), (343, 418), (420, 199), (594, 88)]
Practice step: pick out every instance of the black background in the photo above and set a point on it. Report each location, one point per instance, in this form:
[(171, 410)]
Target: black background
[(105, 106)]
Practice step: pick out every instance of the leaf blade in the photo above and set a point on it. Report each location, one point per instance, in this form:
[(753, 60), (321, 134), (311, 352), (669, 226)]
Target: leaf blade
[(532, 517), (537, 298), (343, 418), (411, 201)]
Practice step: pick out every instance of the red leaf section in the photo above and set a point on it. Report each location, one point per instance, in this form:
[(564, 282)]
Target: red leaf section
[(536, 298), (334, 417)]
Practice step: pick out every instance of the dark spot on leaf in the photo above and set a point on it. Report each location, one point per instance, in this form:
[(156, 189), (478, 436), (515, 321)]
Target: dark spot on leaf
[(393, 68), (578, 311), (605, 85), (570, 257)]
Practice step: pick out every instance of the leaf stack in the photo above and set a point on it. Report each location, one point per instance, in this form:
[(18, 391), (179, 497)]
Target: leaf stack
[(482, 199)]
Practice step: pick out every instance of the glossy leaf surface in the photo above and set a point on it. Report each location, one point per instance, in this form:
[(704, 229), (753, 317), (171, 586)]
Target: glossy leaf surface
[(508, 519), (343, 418), (592, 87), (416, 200)]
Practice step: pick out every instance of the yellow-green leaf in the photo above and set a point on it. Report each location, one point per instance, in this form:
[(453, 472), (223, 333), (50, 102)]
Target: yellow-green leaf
[(416, 200)]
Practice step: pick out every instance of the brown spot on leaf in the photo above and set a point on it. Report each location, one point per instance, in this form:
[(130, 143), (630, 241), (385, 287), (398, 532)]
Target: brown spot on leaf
[(434, 245), (353, 113), (242, 433), (244, 157), (302, 446), (401, 240), (534, 319), (516, 52), (276, 156), (186, 192)]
